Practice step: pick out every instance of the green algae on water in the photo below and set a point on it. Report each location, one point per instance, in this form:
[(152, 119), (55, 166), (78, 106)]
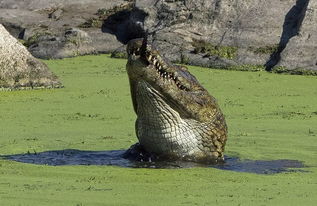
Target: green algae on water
[(269, 116)]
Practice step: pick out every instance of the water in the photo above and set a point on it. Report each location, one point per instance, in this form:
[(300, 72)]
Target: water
[(116, 158)]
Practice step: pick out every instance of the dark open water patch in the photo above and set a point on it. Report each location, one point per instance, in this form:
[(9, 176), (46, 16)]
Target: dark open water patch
[(116, 158)]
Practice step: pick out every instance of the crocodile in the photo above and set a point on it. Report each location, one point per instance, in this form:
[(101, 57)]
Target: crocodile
[(176, 117)]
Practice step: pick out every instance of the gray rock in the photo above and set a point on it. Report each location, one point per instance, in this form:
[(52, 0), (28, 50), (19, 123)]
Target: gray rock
[(45, 26), (230, 33), (74, 42), (103, 42), (300, 52), (120, 52), (19, 69), (56, 14), (253, 28)]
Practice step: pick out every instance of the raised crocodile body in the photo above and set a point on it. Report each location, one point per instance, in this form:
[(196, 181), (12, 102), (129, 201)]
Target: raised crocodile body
[(176, 117)]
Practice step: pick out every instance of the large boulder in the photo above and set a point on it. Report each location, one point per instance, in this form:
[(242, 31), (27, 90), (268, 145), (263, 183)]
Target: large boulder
[(234, 34), (300, 52), (59, 28), (19, 69)]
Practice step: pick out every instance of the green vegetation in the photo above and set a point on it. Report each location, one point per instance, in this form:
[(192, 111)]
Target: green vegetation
[(104, 13), (270, 49), (92, 23), (269, 117), (35, 38), (119, 54), (246, 67), (298, 71), (227, 52), (184, 59)]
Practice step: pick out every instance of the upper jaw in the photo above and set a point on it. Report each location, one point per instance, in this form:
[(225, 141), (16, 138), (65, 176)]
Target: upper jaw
[(143, 54)]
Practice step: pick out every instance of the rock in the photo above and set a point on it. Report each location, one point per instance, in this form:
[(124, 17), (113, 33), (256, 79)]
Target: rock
[(125, 21), (300, 52), (44, 26), (74, 42), (19, 69), (120, 53), (56, 14), (252, 29), (230, 33), (103, 42)]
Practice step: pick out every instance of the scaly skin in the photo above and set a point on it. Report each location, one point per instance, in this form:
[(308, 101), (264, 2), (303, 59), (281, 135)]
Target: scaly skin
[(176, 117)]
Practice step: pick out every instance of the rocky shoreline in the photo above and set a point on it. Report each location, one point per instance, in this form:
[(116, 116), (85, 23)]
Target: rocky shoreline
[(278, 36)]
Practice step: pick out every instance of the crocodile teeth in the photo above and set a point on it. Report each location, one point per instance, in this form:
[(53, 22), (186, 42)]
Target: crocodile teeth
[(154, 61), (149, 58)]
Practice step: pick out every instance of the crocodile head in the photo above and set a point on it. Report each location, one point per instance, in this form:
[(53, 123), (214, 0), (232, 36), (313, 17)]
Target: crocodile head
[(176, 115), (174, 83)]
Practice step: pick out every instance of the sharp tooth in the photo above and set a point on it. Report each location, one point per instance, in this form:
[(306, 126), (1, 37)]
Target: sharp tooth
[(149, 58), (154, 61)]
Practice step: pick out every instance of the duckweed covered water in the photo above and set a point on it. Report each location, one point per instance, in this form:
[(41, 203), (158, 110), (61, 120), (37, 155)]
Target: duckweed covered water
[(120, 158), (271, 119)]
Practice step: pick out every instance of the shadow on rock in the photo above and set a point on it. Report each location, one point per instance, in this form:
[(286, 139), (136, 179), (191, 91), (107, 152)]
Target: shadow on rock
[(291, 27), (118, 158), (125, 25)]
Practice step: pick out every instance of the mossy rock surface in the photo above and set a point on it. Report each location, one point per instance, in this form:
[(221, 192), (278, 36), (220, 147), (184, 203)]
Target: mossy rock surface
[(209, 49)]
